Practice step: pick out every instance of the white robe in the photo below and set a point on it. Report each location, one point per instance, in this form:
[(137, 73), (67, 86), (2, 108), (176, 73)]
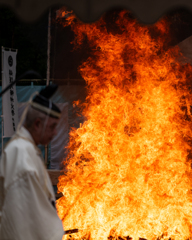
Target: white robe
[(26, 192)]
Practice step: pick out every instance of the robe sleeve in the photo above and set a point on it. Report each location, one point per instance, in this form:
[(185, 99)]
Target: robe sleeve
[(27, 212)]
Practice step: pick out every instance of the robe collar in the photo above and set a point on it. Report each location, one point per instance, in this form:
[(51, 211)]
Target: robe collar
[(25, 134)]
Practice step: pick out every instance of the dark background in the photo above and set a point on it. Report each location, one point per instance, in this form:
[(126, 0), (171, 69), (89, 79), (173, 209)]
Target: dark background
[(29, 39)]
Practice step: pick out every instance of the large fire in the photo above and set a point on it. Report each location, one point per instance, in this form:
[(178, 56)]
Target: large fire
[(129, 172)]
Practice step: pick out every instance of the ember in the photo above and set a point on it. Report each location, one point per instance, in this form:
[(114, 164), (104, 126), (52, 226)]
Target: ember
[(129, 173)]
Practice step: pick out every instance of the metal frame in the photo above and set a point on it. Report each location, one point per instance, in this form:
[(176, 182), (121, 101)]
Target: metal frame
[(146, 11)]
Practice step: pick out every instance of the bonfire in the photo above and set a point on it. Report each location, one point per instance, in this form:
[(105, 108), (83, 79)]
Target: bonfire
[(128, 167)]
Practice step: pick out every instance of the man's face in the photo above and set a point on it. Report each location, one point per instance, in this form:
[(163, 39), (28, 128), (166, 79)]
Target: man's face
[(49, 131)]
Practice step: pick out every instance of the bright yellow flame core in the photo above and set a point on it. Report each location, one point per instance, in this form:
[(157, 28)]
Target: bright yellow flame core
[(128, 170)]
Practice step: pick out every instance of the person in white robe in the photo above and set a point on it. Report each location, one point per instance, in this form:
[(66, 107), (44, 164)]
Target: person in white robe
[(27, 198)]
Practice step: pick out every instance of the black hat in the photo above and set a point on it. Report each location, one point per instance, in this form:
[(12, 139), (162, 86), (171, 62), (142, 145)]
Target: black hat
[(43, 103)]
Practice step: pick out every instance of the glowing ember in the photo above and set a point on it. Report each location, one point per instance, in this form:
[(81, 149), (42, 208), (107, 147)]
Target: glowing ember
[(128, 167)]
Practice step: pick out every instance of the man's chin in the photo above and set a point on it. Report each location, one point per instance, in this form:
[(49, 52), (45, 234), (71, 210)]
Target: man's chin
[(45, 143)]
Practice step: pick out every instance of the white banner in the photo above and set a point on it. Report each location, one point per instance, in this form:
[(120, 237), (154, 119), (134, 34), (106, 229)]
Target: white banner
[(9, 99)]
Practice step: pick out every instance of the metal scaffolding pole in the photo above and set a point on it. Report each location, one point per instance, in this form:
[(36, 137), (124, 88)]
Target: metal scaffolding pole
[(2, 122), (48, 47), (48, 67)]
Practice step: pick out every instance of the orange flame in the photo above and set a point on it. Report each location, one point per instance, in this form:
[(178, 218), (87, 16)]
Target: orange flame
[(128, 168)]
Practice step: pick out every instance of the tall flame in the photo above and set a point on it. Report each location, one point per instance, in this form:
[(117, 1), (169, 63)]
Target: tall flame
[(128, 171)]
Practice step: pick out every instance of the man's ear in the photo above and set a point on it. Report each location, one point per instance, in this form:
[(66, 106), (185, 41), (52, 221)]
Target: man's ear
[(37, 123)]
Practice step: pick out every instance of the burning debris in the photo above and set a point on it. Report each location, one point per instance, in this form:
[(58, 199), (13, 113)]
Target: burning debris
[(128, 167)]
